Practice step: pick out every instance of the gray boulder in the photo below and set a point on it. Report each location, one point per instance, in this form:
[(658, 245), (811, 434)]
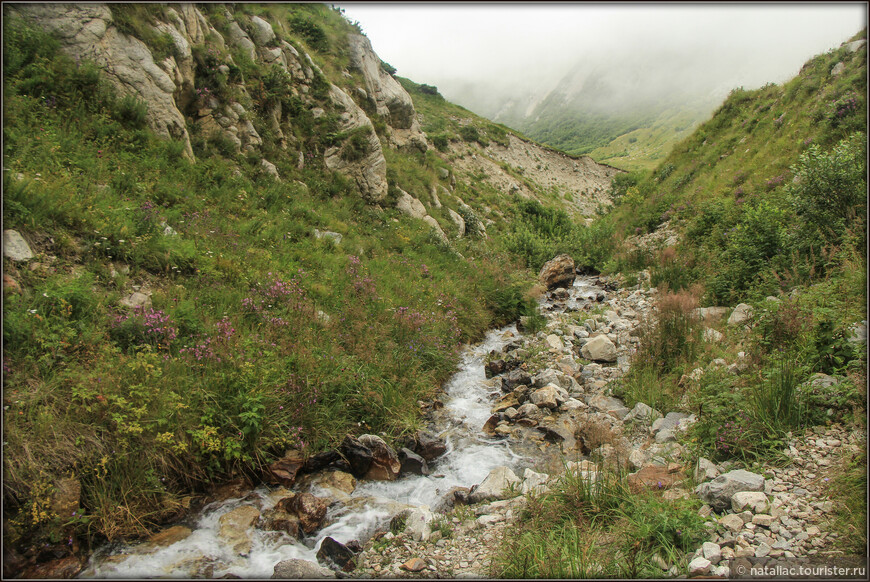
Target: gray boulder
[(262, 31), (495, 485), (718, 492), (15, 247), (599, 349), (298, 568), (741, 314)]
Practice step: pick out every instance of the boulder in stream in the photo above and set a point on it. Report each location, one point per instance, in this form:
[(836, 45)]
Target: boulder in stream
[(298, 568), (385, 465), (358, 456)]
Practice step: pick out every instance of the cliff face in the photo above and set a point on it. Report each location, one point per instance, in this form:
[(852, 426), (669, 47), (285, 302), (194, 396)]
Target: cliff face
[(198, 85)]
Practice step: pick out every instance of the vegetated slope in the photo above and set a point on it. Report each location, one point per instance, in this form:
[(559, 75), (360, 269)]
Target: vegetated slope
[(764, 204), (746, 192), (237, 252)]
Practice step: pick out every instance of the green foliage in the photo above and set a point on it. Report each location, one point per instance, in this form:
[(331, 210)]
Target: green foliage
[(306, 26), (469, 133), (829, 194), (584, 528), (388, 68)]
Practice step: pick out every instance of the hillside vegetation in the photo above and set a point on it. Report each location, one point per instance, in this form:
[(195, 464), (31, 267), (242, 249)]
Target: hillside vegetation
[(764, 204), (184, 323)]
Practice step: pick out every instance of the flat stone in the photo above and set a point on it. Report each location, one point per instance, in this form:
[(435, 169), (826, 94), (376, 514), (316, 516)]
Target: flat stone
[(731, 522), (762, 550), (717, 493), (712, 552), (754, 501), (699, 566), (15, 247)]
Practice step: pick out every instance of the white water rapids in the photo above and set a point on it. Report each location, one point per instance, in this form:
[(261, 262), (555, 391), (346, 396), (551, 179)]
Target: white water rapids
[(469, 458)]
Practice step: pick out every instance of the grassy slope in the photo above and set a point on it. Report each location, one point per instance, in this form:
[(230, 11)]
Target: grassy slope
[(748, 417), (232, 364)]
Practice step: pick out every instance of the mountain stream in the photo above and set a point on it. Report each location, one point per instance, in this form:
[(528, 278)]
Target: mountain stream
[(469, 458)]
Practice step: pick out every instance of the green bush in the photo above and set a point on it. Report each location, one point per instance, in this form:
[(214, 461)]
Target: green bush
[(829, 193)]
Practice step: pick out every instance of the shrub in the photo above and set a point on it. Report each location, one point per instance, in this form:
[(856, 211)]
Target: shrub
[(829, 193), (469, 133)]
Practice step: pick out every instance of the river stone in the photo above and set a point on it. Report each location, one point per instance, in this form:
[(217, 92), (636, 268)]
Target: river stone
[(546, 397), (235, 528), (599, 349), (15, 247), (429, 446), (754, 501), (276, 519), (412, 462), (169, 536), (510, 400), (310, 510), (385, 462), (417, 523), (335, 555), (297, 568), (558, 272), (358, 456), (717, 493), (529, 410), (514, 378), (741, 314), (494, 486), (284, 470)]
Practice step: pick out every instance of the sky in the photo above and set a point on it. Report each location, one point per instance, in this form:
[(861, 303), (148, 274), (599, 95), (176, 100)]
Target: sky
[(499, 50)]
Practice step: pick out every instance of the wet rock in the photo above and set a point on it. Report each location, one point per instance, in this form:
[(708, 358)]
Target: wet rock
[(529, 410), (235, 528), (284, 470), (385, 465), (169, 536), (276, 519), (558, 272), (336, 555), (68, 567), (516, 378), (310, 510), (490, 424), (510, 400), (429, 446), (320, 461), (358, 456), (494, 368), (412, 463), (298, 568)]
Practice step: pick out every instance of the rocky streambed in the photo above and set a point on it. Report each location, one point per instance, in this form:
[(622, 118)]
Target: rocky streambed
[(522, 408)]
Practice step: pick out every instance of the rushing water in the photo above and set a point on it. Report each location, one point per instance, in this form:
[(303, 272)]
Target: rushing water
[(469, 458)]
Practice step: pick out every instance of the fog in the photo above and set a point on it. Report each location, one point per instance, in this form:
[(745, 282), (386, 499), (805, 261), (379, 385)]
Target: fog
[(480, 56)]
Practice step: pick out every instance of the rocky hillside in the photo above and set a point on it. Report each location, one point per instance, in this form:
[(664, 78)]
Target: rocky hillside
[(183, 185)]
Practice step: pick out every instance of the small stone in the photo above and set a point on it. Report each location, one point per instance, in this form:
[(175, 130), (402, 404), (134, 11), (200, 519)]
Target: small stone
[(731, 522), (699, 566), (762, 550), (712, 552), (763, 520), (413, 565)]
